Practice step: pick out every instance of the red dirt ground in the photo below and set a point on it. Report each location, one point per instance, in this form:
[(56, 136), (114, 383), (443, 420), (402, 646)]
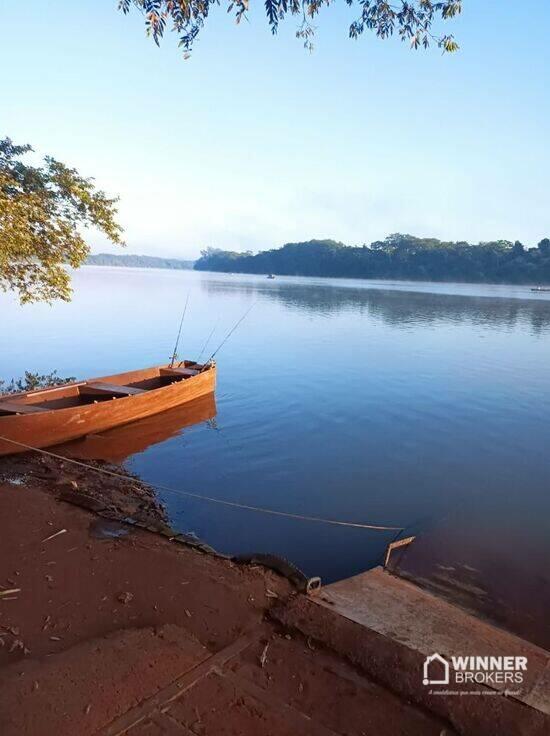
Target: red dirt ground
[(141, 635)]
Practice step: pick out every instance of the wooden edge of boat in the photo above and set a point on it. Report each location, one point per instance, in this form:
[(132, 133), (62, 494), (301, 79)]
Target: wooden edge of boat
[(49, 416)]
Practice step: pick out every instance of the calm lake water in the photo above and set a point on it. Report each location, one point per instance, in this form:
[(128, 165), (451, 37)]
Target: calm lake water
[(378, 402)]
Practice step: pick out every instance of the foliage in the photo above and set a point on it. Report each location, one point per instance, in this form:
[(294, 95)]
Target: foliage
[(397, 257), (411, 20), (32, 381), (41, 211)]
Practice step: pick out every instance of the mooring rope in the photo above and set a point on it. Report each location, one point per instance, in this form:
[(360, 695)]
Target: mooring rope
[(212, 499)]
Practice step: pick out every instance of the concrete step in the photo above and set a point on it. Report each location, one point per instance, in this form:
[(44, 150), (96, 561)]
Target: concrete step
[(269, 685), (329, 691), (121, 670), (389, 626)]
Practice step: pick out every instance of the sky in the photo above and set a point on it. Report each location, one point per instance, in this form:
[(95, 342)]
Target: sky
[(255, 142)]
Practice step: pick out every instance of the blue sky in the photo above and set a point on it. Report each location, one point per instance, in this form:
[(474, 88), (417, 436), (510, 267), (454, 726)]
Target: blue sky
[(255, 142)]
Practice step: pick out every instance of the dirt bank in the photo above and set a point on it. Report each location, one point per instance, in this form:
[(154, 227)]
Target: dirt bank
[(109, 629), (121, 497)]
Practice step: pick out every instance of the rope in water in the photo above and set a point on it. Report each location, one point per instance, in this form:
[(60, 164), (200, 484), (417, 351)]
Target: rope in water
[(212, 499)]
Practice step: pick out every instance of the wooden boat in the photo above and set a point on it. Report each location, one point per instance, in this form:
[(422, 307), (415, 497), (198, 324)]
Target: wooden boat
[(539, 288), (51, 416)]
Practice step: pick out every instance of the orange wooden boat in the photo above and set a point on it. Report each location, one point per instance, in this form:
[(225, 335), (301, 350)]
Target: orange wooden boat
[(50, 416)]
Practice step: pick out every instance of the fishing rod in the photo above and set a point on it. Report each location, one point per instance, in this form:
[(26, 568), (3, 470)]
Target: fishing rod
[(226, 338), (207, 341), (175, 353)]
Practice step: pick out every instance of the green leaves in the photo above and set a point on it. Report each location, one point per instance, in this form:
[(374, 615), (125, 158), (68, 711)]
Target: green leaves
[(42, 212), (412, 20), (31, 381), (448, 44)]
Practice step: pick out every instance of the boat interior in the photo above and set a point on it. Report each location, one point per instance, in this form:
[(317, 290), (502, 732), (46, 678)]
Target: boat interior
[(102, 389)]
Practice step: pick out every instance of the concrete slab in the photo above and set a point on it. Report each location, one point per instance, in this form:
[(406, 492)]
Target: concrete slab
[(388, 627), (396, 608), (418, 619)]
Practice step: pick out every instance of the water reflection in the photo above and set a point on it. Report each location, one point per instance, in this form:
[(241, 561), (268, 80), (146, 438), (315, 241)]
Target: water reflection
[(118, 444), (396, 307)]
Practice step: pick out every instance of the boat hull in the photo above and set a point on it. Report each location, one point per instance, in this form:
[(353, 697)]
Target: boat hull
[(60, 424)]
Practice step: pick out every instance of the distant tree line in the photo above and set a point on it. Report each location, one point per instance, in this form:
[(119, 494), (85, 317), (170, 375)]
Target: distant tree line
[(397, 257), (132, 261)]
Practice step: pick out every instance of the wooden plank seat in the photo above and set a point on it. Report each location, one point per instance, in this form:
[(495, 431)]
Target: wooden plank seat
[(12, 407), (185, 372), (99, 387)]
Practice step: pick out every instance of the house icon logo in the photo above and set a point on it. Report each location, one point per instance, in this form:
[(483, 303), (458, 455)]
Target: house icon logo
[(436, 670)]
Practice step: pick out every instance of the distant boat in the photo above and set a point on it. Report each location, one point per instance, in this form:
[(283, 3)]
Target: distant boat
[(539, 288), (270, 276), (51, 416)]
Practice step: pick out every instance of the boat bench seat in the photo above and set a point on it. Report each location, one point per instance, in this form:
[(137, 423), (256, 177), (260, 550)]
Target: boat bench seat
[(12, 407), (110, 388), (185, 372)]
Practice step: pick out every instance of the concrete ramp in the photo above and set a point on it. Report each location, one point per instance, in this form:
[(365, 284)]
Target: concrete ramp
[(389, 627)]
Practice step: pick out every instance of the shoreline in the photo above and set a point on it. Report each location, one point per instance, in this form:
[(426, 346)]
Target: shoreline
[(121, 613), (545, 287), (137, 622), (127, 497)]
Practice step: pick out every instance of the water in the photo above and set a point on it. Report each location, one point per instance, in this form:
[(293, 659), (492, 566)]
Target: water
[(386, 403)]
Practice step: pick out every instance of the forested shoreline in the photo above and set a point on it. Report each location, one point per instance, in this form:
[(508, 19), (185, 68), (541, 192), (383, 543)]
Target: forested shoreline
[(135, 261), (397, 257)]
